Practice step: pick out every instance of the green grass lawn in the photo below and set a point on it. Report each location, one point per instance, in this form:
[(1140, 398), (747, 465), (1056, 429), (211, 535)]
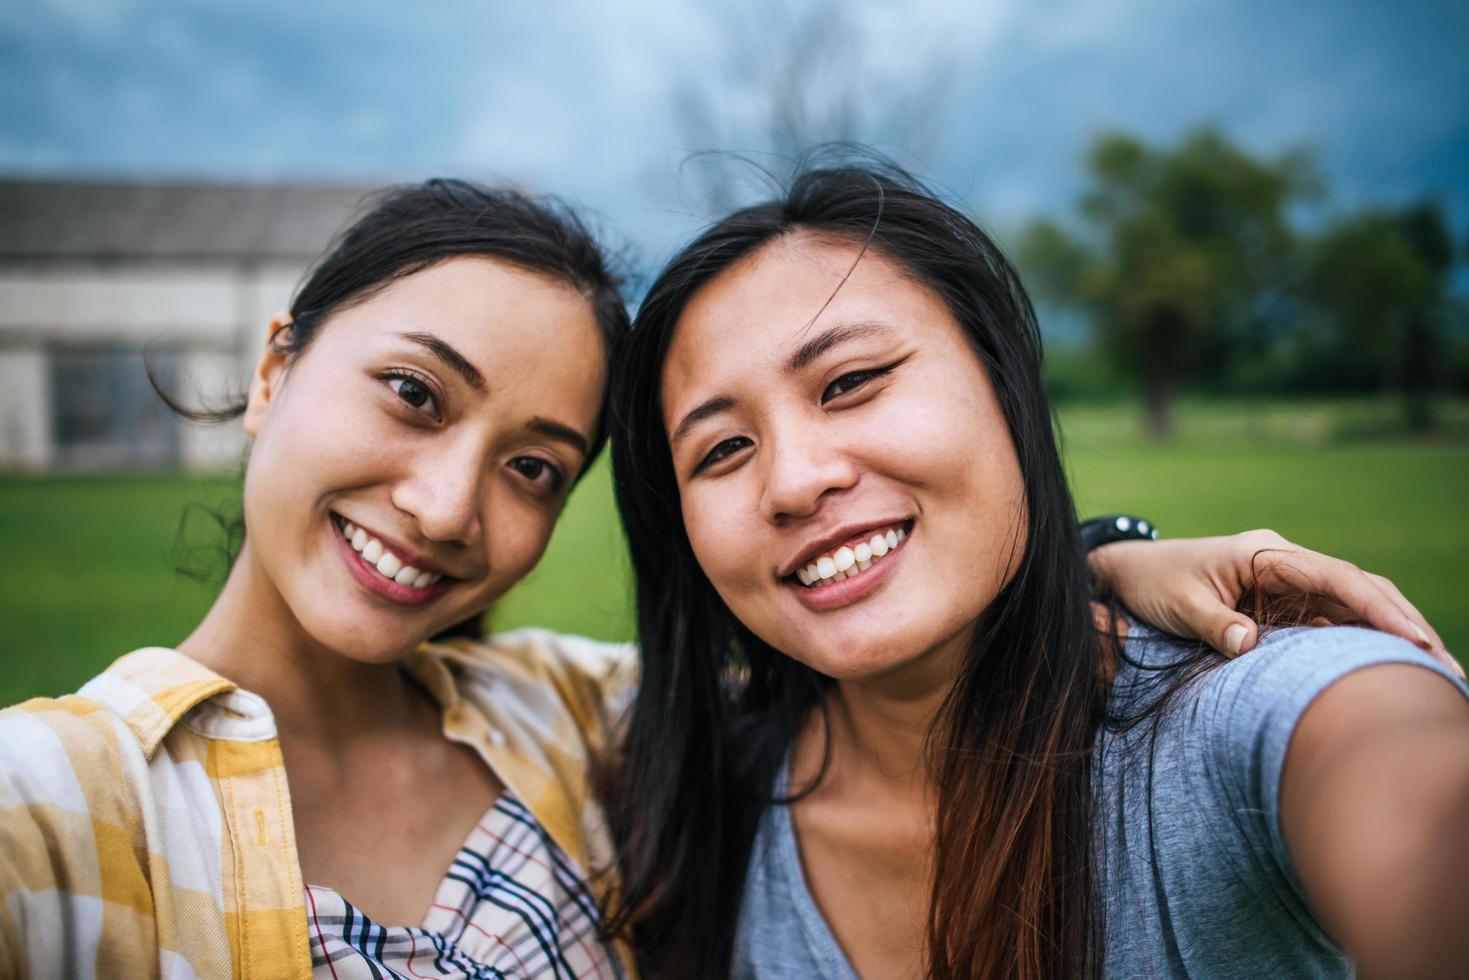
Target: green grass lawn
[(88, 563)]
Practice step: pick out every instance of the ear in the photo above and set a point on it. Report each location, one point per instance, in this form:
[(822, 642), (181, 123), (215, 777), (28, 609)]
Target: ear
[(270, 372)]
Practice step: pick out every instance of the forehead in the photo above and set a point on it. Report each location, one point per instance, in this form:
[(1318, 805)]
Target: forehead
[(759, 311), (526, 332)]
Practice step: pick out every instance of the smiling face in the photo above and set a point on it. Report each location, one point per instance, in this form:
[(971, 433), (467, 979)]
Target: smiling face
[(409, 464), (849, 485)]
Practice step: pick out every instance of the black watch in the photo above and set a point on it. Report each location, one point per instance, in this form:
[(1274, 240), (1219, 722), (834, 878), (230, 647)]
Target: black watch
[(1116, 527)]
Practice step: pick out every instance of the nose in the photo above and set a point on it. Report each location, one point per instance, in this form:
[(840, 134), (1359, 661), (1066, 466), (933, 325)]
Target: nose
[(801, 469), (443, 492)]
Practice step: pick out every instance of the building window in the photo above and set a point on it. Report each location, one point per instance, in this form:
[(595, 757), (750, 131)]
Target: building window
[(104, 413)]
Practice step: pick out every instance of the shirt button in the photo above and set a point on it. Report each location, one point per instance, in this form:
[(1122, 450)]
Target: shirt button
[(495, 737)]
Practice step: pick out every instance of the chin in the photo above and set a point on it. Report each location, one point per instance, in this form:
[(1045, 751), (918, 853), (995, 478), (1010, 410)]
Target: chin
[(853, 661), (363, 641)]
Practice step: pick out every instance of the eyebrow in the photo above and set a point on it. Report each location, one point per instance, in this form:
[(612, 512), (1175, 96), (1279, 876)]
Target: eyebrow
[(561, 433), (708, 409), (441, 349), (835, 337), (804, 355)]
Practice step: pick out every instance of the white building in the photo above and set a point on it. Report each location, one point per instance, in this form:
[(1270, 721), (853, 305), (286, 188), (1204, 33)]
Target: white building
[(93, 276)]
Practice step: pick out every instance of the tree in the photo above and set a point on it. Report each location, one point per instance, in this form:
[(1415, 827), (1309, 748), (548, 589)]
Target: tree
[(1182, 257), (794, 76), (1378, 283)]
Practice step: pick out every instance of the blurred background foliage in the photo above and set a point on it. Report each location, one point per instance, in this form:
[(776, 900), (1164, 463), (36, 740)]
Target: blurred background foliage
[(1198, 270)]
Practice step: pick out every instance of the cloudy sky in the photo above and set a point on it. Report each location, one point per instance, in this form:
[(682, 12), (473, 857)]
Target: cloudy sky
[(604, 102)]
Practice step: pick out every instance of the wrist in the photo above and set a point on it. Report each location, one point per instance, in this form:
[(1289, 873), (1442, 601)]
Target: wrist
[(1115, 527)]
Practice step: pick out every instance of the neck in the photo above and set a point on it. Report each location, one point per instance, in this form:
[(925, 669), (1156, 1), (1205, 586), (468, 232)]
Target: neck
[(879, 726), (251, 637)]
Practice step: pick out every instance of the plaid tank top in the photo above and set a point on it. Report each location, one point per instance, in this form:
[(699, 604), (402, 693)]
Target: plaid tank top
[(511, 906)]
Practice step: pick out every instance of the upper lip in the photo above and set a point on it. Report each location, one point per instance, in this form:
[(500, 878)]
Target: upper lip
[(406, 554), (834, 539)]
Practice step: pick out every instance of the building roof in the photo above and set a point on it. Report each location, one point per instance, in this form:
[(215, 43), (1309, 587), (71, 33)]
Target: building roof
[(44, 220)]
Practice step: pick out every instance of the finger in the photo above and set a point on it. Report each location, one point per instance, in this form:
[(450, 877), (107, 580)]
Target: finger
[(1408, 609), (1434, 643), (1335, 613), (1227, 630), (1331, 578), (1326, 612), (1322, 611)]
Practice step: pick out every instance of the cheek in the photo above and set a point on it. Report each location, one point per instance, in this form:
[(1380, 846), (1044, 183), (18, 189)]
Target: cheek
[(517, 532), (319, 437), (310, 444), (955, 452), (722, 544)]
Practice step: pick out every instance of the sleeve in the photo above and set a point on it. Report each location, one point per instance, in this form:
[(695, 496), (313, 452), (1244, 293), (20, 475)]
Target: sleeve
[(50, 888), (1247, 714), (29, 892)]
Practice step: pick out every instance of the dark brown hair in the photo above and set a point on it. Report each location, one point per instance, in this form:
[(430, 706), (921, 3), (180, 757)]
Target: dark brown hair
[(407, 228), (1010, 750)]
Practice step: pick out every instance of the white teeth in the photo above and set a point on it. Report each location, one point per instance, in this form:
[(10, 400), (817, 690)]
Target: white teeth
[(388, 564), (849, 562), (844, 558)]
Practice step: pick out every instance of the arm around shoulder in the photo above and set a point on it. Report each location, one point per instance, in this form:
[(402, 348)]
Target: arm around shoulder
[(1374, 802)]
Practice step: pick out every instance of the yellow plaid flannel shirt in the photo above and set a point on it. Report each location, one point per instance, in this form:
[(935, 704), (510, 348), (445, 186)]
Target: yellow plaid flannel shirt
[(145, 822)]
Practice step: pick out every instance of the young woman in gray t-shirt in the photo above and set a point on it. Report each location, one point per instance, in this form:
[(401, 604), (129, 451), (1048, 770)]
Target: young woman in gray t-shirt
[(880, 730)]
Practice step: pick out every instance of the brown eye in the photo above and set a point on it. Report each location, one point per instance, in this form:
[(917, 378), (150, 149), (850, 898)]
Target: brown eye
[(850, 382), (726, 448), (538, 472), (414, 392)]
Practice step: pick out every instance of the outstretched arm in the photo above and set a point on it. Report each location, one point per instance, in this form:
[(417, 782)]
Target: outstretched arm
[(1374, 802), (1193, 587)]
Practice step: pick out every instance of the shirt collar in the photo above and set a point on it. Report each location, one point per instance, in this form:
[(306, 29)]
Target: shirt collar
[(153, 688), (461, 719)]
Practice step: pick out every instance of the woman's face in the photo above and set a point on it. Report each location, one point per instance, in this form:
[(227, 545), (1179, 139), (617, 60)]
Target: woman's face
[(409, 464), (806, 449)]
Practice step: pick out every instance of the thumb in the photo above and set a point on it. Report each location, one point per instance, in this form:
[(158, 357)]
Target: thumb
[(1233, 634)]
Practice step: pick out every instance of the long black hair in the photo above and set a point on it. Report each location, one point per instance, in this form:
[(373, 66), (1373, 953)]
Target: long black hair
[(718, 708)]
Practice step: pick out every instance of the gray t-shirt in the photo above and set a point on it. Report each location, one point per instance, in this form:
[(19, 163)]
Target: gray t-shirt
[(1194, 875)]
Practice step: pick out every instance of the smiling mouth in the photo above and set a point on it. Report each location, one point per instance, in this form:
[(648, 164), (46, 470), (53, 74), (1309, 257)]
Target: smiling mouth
[(851, 560), (377, 556)]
